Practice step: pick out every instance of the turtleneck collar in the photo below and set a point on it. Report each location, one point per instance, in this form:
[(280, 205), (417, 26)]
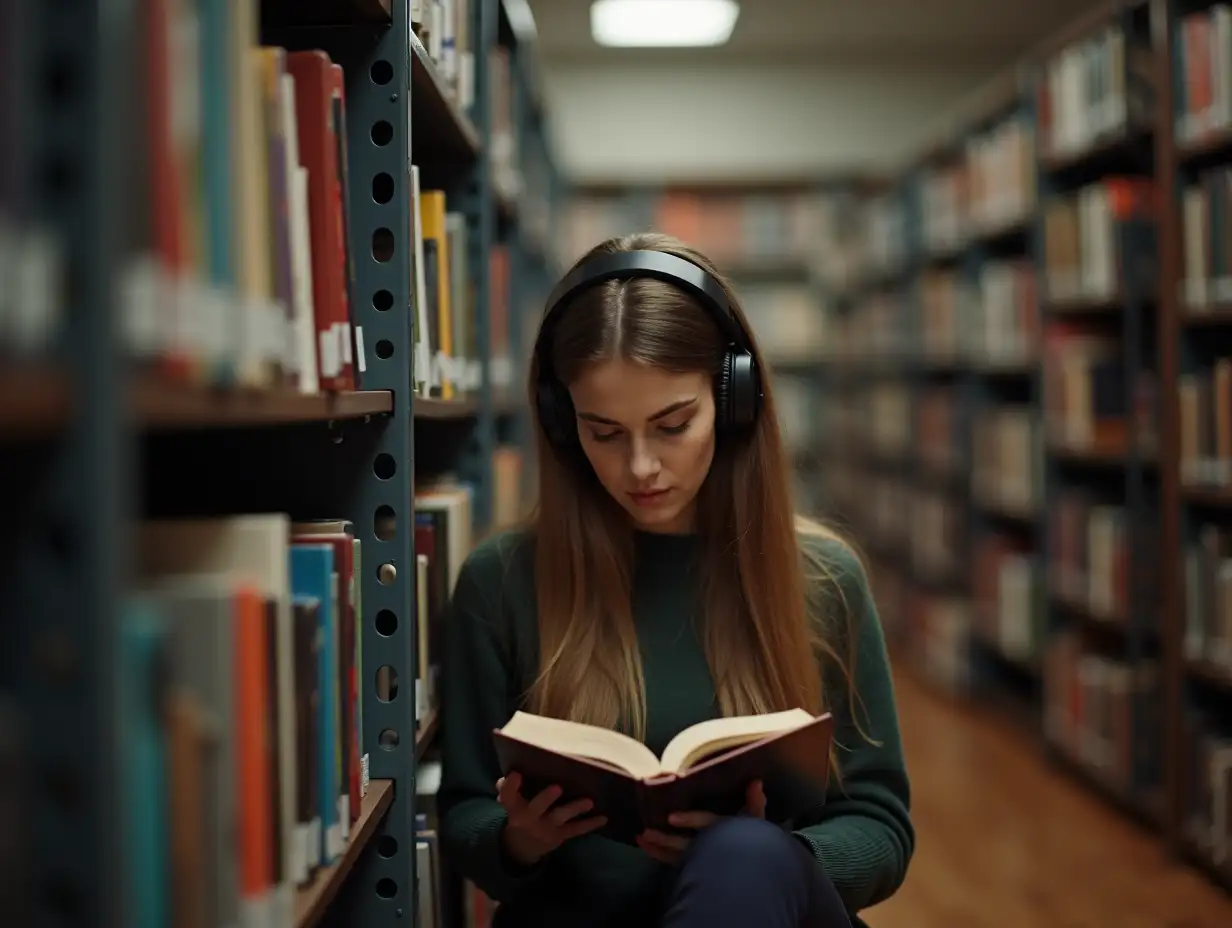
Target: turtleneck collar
[(672, 548)]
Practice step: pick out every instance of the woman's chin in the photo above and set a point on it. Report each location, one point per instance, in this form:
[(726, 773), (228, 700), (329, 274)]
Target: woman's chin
[(665, 520)]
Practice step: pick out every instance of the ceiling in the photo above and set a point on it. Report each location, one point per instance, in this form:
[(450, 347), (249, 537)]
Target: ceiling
[(804, 87), (920, 32)]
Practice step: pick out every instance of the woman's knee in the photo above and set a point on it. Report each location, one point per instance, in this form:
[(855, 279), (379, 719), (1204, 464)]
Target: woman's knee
[(740, 843)]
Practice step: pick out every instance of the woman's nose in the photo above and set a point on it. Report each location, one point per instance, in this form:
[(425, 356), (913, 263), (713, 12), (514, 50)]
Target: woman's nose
[(643, 464)]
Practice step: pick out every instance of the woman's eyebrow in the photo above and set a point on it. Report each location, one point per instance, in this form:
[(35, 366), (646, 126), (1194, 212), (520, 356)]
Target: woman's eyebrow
[(665, 411)]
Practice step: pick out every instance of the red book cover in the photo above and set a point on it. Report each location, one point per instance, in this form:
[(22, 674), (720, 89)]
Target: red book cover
[(314, 112), (167, 234), (352, 334)]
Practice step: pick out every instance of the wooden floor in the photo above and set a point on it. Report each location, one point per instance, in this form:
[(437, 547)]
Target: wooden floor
[(1006, 841)]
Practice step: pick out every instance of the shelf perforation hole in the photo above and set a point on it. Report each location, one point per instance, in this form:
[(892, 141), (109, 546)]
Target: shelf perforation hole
[(382, 301), (381, 133), (384, 349), (385, 575), (384, 467), (387, 846), (382, 188), (383, 245), (381, 72), (386, 623), (386, 888), (387, 683), (388, 739), (385, 523)]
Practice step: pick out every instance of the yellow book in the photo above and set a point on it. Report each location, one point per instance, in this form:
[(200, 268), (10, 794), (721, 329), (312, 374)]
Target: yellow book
[(436, 277)]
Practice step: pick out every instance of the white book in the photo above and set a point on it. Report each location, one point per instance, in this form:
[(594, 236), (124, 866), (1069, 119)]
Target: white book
[(303, 306), (425, 376)]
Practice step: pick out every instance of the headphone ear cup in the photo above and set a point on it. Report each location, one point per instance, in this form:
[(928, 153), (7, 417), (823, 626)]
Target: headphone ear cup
[(722, 394), (743, 390), (556, 413)]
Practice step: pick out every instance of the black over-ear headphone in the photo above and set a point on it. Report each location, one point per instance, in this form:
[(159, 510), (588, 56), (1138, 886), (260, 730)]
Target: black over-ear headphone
[(737, 391)]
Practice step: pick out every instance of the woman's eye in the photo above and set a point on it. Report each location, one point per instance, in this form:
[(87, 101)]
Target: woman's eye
[(674, 429), (603, 436)]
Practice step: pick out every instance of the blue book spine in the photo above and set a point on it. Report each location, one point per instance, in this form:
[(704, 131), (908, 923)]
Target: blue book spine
[(312, 575), (216, 156), (142, 680)]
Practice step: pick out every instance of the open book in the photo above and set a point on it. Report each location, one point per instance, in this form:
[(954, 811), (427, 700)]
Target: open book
[(706, 767)]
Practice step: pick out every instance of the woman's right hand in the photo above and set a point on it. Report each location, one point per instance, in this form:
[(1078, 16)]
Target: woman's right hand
[(535, 828)]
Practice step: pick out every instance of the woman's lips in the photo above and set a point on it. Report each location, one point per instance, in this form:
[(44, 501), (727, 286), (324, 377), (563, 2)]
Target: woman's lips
[(649, 497)]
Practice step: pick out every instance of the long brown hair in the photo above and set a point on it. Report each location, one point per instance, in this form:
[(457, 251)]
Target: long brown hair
[(762, 635)]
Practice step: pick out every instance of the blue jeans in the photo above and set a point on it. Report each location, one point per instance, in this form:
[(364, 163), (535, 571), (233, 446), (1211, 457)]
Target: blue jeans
[(747, 872)]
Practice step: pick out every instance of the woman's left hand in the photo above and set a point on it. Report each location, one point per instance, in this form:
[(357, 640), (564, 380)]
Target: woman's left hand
[(669, 849)]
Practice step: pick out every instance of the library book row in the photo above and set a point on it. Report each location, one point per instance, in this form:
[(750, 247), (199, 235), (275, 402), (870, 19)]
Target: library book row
[(242, 660), (1027, 400), (263, 264), (240, 260)]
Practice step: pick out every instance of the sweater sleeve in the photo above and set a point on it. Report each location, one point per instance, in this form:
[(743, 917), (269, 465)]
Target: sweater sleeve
[(863, 836), (478, 674)]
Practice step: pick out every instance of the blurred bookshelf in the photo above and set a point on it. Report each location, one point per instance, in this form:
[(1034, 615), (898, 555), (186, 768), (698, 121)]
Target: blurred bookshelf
[(1003, 371), (265, 267), (1028, 387)]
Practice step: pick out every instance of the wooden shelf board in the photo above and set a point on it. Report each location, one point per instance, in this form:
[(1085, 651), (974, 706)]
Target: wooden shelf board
[(1010, 228), (1210, 673), (1085, 306), (1110, 453), (161, 407), (34, 401), (426, 735), (1207, 146), (312, 901), (425, 407), (39, 402), (1220, 314), (1005, 511), (1212, 497), (443, 135), (1111, 148), (1092, 618)]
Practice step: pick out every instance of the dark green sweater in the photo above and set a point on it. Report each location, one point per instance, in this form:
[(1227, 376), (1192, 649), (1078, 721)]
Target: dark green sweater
[(863, 836)]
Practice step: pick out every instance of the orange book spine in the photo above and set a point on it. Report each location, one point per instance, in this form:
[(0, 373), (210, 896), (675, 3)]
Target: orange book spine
[(256, 846)]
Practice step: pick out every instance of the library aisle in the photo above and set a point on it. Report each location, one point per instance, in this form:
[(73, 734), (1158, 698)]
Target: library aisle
[(270, 276), (1005, 840)]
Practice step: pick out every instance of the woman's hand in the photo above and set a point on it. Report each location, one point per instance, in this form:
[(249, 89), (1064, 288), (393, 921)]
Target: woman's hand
[(669, 849), (535, 828)]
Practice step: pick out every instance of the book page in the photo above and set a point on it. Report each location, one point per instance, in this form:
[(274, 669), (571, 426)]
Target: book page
[(699, 741), (585, 741)]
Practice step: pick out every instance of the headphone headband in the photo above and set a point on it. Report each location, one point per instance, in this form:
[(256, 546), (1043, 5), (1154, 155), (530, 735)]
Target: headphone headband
[(660, 265), (737, 386)]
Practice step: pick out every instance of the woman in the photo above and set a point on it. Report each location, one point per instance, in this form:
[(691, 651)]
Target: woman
[(662, 581)]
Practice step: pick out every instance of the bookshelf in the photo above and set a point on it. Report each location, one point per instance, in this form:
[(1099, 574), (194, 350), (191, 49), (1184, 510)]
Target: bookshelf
[(1194, 152), (224, 411), (1059, 247), (471, 465)]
